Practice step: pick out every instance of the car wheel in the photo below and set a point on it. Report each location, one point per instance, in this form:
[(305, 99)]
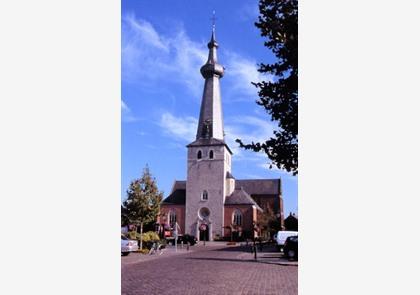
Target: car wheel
[(291, 254), (125, 253)]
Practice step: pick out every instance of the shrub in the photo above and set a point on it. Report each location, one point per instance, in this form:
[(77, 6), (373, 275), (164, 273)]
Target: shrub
[(132, 235), (143, 251), (148, 239), (150, 236)]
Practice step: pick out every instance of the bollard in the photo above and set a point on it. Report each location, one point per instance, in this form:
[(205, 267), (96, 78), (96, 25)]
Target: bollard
[(255, 250), (188, 246), (182, 244)]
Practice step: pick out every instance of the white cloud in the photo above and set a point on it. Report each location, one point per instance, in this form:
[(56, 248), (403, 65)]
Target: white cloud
[(148, 56), (145, 31), (124, 106), (241, 71), (183, 129), (283, 173), (126, 113), (248, 129), (249, 11)]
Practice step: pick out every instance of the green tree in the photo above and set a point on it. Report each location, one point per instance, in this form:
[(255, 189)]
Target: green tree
[(124, 219), (143, 202), (278, 22), (269, 222)]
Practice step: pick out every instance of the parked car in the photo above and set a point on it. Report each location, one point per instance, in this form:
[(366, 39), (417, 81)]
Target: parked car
[(128, 245), (184, 239), (291, 247), (281, 237)]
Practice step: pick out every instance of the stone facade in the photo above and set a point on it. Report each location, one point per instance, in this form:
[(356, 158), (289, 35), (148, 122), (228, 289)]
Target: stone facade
[(208, 175)]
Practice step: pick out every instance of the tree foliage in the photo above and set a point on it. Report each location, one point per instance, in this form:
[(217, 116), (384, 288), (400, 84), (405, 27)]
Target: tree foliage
[(143, 201), (124, 218), (278, 22), (269, 222)]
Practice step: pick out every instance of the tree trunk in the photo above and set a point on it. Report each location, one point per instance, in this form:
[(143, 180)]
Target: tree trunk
[(141, 235)]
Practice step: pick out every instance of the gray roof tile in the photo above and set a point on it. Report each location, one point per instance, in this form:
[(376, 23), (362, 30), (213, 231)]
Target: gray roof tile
[(260, 186), (240, 197)]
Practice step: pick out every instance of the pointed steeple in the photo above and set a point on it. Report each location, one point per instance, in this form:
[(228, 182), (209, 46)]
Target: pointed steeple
[(210, 124)]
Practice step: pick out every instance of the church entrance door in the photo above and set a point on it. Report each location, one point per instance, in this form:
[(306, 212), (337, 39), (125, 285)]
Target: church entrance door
[(204, 232)]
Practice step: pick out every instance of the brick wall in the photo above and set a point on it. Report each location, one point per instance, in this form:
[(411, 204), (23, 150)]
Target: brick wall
[(180, 215), (247, 217)]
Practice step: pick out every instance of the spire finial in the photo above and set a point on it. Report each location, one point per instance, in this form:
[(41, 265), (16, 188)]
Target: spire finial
[(213, 42), (213, 20)]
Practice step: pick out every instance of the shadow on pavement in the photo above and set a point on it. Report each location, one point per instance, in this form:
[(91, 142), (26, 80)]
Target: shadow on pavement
[(220, 259), (259, 260), (233, 249)]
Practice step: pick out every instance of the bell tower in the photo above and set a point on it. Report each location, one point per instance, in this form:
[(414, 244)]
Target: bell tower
[(209, 158)]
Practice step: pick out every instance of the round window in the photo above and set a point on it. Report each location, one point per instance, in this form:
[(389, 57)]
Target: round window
[(204, 212)]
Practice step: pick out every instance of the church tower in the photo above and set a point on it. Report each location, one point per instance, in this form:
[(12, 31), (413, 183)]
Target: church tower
[(209, 158)]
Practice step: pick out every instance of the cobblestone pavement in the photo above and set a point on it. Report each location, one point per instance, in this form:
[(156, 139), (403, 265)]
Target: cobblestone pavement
[(211, 269)]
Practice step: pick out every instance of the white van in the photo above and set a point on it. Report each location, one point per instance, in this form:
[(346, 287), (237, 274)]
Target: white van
[(281, 237)]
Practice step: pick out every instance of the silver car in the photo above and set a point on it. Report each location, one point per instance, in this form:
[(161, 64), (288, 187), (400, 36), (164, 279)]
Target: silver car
[(128, 246)]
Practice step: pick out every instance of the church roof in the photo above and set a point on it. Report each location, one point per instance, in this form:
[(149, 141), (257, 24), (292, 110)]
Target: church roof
[(177, 196), (179, 184), (260, 186), (240, 197)]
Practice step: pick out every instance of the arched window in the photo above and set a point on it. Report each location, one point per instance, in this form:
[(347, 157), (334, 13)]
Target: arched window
[(211, 154), (204, 196), (172, 218), (199, 155), (237, 218)]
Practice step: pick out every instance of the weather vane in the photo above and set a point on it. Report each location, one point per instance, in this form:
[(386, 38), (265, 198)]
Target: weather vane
[(213, 19)]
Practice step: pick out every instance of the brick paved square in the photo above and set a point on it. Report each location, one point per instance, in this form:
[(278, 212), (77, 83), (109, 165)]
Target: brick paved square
[(211, 269)]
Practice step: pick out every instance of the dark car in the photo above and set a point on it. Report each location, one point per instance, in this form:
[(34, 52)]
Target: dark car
[(184, 239), (290, 249)]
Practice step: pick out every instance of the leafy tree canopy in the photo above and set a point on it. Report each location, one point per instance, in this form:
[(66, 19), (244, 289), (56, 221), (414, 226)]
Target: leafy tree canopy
[(278, 22), (143, 200)]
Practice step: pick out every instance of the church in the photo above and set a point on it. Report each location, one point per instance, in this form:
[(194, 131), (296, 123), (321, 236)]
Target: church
[(211, 204)]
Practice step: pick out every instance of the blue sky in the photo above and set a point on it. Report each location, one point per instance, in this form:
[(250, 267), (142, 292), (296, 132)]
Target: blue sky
[(163, 48)]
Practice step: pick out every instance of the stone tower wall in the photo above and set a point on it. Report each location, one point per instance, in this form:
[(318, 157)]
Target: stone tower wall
[(206, 174)]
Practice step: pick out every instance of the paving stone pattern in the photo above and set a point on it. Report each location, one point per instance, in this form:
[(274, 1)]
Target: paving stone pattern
[(207, 270)]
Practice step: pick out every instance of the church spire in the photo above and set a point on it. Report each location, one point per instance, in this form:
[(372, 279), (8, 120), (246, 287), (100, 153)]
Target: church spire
[(210, 124)]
